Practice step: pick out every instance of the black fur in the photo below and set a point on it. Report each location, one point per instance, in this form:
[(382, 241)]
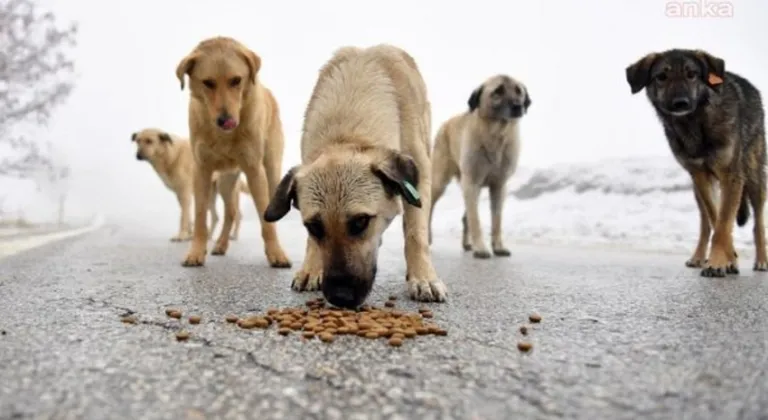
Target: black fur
[(285, 195), (395, 171), (474, 99), (133, 136)]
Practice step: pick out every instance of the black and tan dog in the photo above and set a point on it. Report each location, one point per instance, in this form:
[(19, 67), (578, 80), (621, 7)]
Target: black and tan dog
[(715, 125), (364, 147), (480, 147)]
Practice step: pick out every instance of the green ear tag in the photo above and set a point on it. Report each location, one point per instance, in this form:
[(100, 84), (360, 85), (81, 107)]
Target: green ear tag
[(412, 194)]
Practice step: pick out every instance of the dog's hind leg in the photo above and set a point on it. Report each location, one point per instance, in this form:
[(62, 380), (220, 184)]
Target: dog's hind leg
[(497, 194), (185, 224), (212, 209), (238, 214), (442, 173), (227, 183), (756, 191)]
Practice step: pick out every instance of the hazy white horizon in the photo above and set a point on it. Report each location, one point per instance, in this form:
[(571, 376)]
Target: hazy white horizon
[(571, 55)]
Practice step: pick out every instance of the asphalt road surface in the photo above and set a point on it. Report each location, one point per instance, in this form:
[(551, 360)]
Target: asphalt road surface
[(624, 336)]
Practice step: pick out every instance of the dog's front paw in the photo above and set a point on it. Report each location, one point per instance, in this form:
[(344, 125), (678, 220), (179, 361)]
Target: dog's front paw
[(195, 257), (306, 280), (717, 265), (696, 262), (426, 289), (760, 266), (276, 256), (181, 237)]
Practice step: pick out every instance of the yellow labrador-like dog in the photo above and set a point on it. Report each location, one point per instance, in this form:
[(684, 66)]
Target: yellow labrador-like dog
[(234, 126), (365, 155), (171, 158), (481, 147)]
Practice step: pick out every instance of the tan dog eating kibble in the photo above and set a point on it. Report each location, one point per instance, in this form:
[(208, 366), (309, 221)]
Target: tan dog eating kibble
[(234, 126), (365, 145), (172, 160)]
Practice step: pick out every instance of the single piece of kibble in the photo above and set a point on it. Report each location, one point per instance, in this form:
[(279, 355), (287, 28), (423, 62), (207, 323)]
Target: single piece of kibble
[(524, 346), (441, 332), (231, 318), (182, 335), (176, 314), (427, 314), (169, 310), (326, 337), (194, 319), (395, 341), (524, 330), (535, 318), (389, 304), (130, 319), (392, 297), (308, 334), (284, 331), (371, 334), (261, 323), (424, 309)]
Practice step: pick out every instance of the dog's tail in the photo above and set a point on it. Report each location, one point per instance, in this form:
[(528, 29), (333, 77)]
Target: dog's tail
[(242, 186), (743, 215)]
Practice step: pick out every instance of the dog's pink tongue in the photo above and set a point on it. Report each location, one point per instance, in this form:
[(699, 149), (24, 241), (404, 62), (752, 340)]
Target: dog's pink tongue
[(230, 124)]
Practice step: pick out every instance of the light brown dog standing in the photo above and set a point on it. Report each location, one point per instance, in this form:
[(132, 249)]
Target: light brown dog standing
[(171, 158), (365, 145), (481, 147), (234, 125)]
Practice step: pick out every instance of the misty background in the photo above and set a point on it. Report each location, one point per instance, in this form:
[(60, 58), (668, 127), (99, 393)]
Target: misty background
[(585, 137)]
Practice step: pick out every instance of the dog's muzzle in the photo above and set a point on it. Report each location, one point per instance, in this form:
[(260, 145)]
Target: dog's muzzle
[(225, 121), (346, 291), (139, 156)]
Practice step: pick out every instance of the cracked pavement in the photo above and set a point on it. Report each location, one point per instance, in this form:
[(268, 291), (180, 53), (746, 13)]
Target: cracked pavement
[(624, 335)]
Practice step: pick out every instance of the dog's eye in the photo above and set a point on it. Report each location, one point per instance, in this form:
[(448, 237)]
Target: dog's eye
[(315, 229), (518, 90), (691, 74), (661, 77), (357, 225), (210, 84), (235, 81)]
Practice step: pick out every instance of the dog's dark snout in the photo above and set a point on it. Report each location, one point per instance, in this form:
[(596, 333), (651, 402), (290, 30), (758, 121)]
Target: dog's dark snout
[(681, 104), (222, 119), (343, 290), (139, 156)]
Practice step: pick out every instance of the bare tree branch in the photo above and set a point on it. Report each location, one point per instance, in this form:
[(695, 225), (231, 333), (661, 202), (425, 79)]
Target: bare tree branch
[(35, 78)]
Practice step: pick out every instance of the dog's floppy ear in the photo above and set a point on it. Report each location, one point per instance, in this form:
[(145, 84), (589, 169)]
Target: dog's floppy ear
[(254, 63), (639, 73), (527, 100), (400, 175), (285, 195), (474, 98), (714, 67), (165, 137), (133, 136), (185, 67)]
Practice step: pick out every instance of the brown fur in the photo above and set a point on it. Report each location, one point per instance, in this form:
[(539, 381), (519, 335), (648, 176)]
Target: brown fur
[(480, 148), (365, 135), (715, 126), (171, 158), (224, 87)]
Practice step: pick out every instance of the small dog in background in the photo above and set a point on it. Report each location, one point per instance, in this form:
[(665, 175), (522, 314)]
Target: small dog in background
[(480, 148), (234, 126), (715, 125), (171, 158), (365, 159)]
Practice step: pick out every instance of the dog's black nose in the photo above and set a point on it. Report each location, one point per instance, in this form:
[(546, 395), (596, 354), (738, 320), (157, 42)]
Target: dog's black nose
[(344, 291), (681, 104), (221, 120), (139, 156)]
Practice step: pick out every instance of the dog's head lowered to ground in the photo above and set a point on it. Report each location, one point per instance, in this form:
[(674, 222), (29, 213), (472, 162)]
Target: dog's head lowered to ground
[(221, 74), (500, 98), (347, 197), (677, 81), (151, 143)]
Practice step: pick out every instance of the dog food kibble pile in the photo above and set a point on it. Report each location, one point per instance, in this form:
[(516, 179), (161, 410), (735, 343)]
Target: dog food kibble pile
[(526, 346), (317, 321)]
